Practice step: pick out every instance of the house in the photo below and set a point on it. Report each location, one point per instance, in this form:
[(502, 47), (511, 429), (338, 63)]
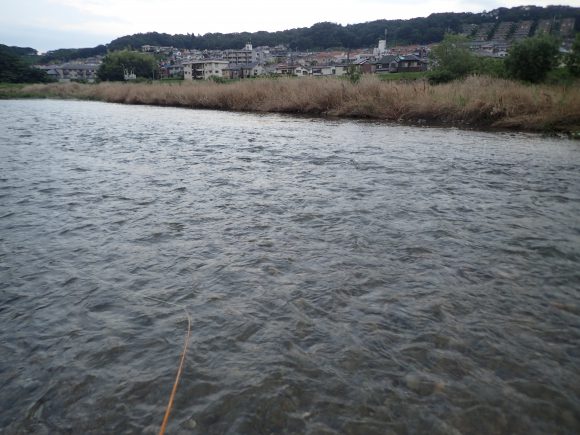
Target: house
[(327, 58), (290, 70), (365, 66), (156, 49), (243, 71), (386, 64), (301, 71), (172, 71), (410, 63), (407, 63), (204, 69), (328, 70)]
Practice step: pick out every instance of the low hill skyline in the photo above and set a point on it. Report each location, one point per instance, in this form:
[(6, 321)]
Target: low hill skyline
[(53, 24), (327, 35)]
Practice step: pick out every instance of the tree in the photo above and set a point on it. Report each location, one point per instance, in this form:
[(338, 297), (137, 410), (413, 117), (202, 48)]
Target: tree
[(532, 59), (68, 54), (353, 74), (452, 59), (573, 58), (328, 35), (490, 66), (115, 63), (15, 70)]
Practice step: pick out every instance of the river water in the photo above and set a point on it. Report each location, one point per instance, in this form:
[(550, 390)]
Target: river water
[(342, 277)]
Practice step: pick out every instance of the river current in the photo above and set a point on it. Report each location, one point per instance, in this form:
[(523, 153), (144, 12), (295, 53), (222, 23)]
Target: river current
[(342, 277)]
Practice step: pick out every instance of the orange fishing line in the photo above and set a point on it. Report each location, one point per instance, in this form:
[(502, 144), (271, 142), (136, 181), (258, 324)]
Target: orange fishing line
[(179, 369)]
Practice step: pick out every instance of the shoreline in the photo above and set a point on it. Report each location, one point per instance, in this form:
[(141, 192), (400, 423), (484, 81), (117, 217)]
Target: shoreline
[(474, 103)]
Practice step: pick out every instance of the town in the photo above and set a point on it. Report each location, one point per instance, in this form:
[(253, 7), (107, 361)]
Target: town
[(491, 39)]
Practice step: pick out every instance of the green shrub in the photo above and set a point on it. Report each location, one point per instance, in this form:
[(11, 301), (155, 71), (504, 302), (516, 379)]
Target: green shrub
[(452, 60), (532, 59), (217, 79), (492, 67)]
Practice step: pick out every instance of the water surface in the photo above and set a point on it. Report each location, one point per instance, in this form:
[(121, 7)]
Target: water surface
[(342, 277)]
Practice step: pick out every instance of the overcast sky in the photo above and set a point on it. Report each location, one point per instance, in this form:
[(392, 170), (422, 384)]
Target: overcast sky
[(50, 24)]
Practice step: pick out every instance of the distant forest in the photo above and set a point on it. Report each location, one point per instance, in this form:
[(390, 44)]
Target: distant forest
[(324, 36), (15, 66)]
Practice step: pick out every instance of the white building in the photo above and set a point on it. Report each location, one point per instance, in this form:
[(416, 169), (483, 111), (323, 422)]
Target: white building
[(203, 69), (381, 50)]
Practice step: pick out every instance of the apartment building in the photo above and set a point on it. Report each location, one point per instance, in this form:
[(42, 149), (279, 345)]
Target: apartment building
[(241, 57), (203, 69)]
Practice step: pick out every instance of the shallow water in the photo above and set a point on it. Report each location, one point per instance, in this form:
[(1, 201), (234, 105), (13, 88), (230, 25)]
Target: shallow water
[(342, 277)]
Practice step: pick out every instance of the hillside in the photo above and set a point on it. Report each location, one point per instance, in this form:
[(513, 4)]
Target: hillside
[(502, 23), (327, 35), (15, 65)]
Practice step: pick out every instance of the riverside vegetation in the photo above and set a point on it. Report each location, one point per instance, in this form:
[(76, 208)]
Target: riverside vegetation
[(471, 102)]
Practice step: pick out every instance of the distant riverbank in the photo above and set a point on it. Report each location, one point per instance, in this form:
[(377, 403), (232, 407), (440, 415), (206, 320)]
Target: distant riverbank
[(476, 102)]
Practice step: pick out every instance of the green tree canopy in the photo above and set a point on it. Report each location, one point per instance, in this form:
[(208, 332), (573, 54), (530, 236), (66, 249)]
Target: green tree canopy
[(115, 63), (452, 59), (14, 69), (532, 59), (68, 54)]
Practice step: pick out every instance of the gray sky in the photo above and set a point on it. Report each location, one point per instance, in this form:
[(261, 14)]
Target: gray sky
[(50, 24)]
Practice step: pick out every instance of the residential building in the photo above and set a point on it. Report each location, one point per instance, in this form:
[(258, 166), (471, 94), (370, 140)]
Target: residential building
[(72, 72), (365, 66), (241, 57), (261, 55), (567, 26), (386, 64), (408, 63), (243, 71), (544, 27), (504, 30), (203, 69), (522, 30), (290, 70), (156, 49), (172, 71), (328, 70)]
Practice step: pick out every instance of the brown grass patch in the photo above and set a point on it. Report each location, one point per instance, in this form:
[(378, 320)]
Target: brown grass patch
[(475, 101)]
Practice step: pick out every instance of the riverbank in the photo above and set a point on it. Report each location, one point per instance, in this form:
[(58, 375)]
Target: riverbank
[(475, 102)]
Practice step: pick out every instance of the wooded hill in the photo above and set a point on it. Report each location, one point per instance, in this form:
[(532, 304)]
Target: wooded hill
[(15, 65), (323, 36)]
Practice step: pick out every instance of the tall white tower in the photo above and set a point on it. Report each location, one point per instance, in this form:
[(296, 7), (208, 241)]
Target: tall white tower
[(382, 45), (382, 48)]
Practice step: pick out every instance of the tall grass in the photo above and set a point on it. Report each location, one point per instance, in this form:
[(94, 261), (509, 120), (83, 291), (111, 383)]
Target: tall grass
[(472, 102)]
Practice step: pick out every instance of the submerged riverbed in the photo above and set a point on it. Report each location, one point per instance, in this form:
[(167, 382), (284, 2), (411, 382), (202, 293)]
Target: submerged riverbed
[(342, 276)]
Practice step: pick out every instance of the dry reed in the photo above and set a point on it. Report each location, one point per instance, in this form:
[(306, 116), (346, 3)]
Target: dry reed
[(479, 102)]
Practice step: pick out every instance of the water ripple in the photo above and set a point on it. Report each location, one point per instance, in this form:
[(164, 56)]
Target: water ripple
[(342, 277)]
